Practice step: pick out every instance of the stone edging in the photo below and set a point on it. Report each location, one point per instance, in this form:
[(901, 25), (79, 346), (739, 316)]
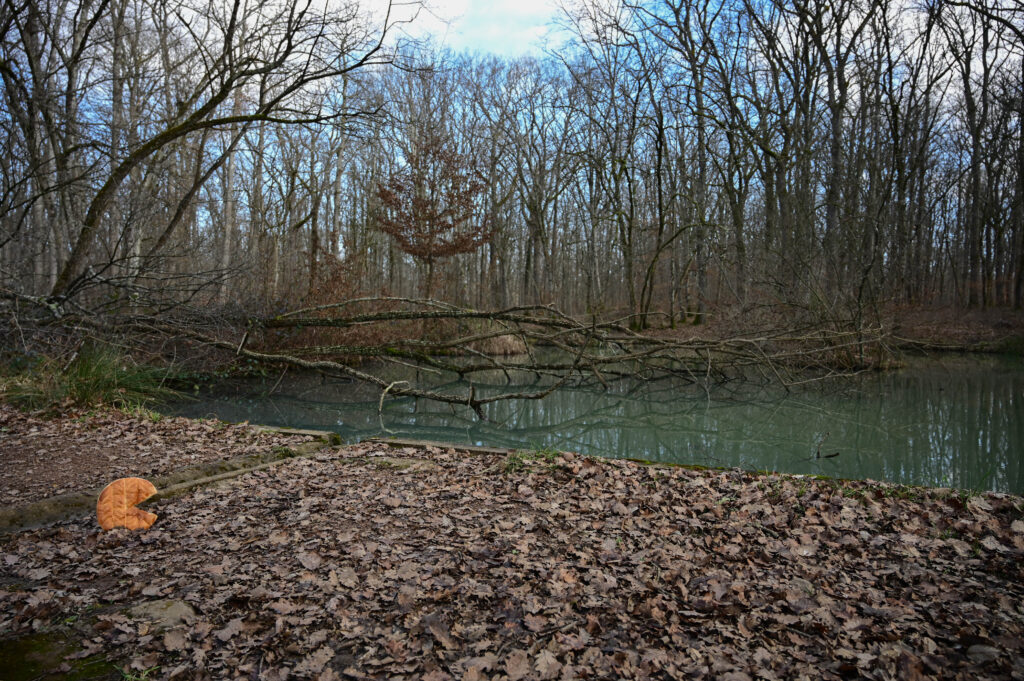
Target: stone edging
[(66, 506)]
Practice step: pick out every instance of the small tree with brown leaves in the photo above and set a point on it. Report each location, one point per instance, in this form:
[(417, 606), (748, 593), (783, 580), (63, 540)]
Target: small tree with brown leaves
[(429, 205)]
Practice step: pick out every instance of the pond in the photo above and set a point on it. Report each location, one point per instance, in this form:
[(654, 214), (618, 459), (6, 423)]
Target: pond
[(951, 421)]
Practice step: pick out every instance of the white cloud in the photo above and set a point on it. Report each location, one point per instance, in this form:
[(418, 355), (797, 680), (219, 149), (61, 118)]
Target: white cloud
[(505, 27)]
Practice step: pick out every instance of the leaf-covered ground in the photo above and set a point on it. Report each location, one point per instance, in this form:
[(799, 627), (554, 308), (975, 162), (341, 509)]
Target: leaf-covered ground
[(45, 457), (346, 565)]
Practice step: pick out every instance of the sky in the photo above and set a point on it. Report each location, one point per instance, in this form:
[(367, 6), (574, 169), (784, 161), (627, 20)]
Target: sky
[(507, 28)]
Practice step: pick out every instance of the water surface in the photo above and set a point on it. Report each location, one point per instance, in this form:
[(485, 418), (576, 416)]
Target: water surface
[(950, 422)]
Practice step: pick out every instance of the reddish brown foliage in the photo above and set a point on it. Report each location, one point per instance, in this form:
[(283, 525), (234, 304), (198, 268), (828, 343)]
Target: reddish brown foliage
[(429, 206)]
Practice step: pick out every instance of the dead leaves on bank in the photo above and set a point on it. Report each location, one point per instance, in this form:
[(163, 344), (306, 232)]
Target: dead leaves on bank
[(334, 567), (45, 457)]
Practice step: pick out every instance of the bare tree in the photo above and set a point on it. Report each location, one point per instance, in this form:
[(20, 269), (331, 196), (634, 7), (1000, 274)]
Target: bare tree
[(275, 63)]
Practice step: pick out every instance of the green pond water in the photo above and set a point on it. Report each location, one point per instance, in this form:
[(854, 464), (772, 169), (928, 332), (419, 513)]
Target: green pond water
[(948, 422)]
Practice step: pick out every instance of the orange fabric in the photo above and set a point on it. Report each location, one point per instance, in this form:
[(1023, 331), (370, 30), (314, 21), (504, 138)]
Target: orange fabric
[(116, 505)]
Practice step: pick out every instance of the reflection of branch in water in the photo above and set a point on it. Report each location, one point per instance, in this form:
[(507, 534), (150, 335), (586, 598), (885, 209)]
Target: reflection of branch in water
[(575, 418), (895, 428), (817, 451), (606, 428), (277, 384), (496, 383), (633, 419)]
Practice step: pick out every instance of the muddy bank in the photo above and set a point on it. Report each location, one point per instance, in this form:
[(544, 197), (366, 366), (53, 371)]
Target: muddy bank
[(375, 562)]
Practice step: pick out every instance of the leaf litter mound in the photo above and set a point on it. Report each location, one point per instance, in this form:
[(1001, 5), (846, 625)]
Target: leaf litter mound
[(348, 566)]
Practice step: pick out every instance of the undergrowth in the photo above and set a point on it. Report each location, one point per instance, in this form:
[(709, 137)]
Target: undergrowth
[(95, 376), (518, 459)]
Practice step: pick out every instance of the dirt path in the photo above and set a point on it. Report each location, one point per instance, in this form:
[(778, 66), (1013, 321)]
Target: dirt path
[(367, 562)]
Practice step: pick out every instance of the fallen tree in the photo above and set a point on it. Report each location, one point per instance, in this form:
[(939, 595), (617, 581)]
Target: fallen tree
[(362, 338), (453, 352)]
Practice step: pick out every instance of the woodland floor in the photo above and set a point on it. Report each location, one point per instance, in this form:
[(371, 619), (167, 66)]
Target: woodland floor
[(369, 562), (995, 329), (43, 457)]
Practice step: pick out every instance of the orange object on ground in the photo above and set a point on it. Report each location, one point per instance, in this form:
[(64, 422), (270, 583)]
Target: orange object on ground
[(116, 505)]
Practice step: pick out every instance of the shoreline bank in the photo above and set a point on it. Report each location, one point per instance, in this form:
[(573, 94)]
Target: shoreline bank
[(372, 561)]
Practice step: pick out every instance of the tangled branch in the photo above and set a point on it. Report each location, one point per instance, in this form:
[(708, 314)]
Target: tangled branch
[(360, 338)]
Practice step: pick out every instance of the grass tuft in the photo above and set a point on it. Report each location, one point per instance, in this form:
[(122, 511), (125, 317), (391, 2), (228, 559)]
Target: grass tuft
[(95, 376), (518, 459)]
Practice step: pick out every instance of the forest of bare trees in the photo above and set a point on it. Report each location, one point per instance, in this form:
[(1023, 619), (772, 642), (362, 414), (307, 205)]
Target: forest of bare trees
[(673, 159)]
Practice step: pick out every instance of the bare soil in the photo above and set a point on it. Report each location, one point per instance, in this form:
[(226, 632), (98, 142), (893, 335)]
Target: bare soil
[(42, 457), (366, 562)]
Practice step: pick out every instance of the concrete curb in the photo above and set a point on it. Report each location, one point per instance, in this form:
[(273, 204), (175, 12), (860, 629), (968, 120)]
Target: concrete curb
[(421, 444)]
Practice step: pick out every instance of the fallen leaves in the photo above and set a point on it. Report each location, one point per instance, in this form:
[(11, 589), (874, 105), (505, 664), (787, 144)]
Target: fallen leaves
[(175, 640), (517, 665), (232, 628), (309, 559), (315, 662), (85, 451), (338, 568)]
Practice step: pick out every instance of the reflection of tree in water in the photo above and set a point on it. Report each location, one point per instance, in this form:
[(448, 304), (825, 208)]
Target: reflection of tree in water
[(961, 427)]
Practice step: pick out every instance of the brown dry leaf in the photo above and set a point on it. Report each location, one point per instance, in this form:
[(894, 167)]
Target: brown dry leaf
[(439, 629), (317, 637), (979, 504), (232, 628), (315, 661), (517, 665), (406, 598), (566, 575), (547, 665), (474, 673), (310, 559), (144, 662), (485, 662), (348, 577), (279, 537), (535, 622), (408, 570), (283, 607), (806, 550), (992, 544), (175, 639)]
